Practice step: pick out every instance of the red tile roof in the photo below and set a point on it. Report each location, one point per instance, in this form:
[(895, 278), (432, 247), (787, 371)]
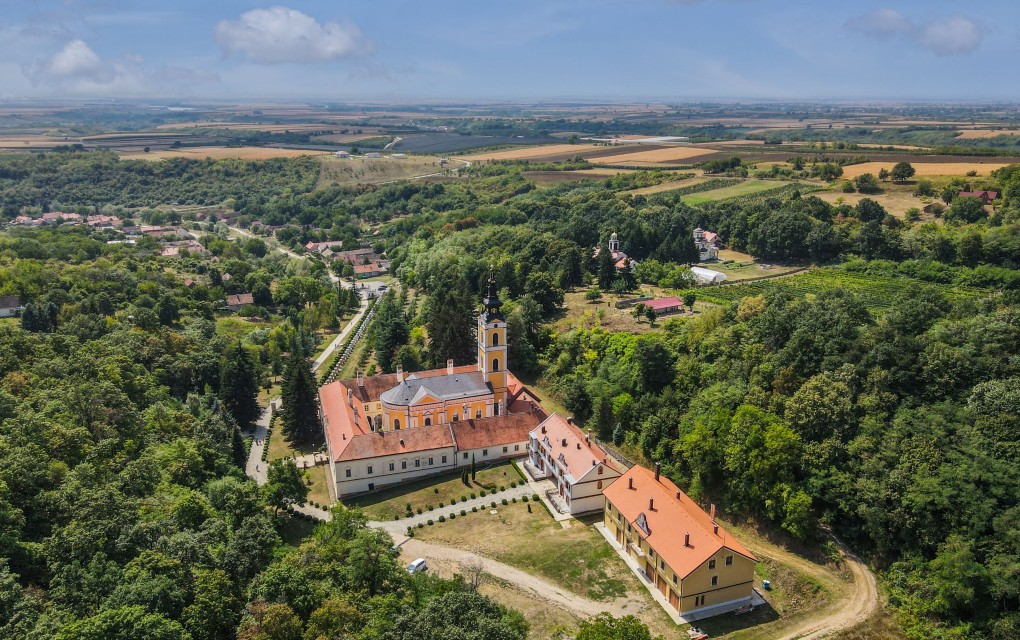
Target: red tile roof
[(240, 299), (661, 304), (674, 515), (373, 386), (495, 431), (579, 452), (390, 443)]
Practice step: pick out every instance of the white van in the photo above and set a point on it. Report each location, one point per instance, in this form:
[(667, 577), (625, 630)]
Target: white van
[(416, 566)]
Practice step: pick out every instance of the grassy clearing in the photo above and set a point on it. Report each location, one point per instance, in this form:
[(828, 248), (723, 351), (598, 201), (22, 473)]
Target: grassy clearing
[(374, 170), (747, 187), (895, 199), (737, 270), (576, 558), (579, 312), (392, 501), (318, 485), (667, 186), (281, 447), (925, 169), (236, 328)]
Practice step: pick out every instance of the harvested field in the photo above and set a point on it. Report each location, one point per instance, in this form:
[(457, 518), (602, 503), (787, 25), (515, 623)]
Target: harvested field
[(530, 153), (645, 157), (895, 202), (925, 169), (31, 142), (977, 134), (666, 186), (277, 127), (218, 153)]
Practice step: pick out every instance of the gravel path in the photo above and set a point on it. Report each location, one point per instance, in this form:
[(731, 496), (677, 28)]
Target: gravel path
[(400, 526)]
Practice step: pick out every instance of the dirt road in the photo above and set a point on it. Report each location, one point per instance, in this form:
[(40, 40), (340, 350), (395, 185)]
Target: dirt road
[(438, 554), (858, 607)]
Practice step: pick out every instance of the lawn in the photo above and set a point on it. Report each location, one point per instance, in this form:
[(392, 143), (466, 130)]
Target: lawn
[(576, 558), (744, 188), (375, 170), (318, 489), (392, 501), (236, 328), (281, 447)]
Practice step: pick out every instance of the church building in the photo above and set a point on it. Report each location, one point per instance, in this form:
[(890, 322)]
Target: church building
[(389, 428)]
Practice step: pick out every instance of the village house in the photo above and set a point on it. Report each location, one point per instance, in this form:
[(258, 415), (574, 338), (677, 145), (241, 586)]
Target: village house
[(390, 428), (173, 250), (681, 550), (320, 247), (371, 270), (705, 241), (60, 217), (9, 306), (237, 301), (987, 197), (357, 256), (575, 463), (665, 306)]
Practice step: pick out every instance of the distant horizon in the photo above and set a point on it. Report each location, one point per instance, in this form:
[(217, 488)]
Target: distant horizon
[(531, 50)]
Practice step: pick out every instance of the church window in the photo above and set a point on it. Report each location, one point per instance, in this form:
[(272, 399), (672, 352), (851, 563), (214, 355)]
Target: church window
[(495, 364), (348, 474), (600, 484), (428, 422), (369, 469), (495, 339), (456, 417), (396, 424), (478, 414), (600, 469)]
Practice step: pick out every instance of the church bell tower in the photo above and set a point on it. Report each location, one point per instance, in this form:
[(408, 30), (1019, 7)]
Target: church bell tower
[(492, 343)]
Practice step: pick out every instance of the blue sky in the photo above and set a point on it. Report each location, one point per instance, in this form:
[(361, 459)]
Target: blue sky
[(511, 49)]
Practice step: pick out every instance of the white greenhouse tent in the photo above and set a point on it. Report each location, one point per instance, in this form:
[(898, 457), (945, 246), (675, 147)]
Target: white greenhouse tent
[(707, 276)]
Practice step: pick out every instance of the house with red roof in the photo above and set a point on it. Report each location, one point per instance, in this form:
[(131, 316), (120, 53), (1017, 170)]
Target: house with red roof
[(576, 464), (987, 197), (664, 306), (680, 550), (237, 301)]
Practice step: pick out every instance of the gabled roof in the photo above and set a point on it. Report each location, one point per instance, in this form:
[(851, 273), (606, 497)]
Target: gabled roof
[(664, 303), (373, 387), (509, 428), (672, 516), (578, 453), (240, 299), (391, 443), (414, 389)]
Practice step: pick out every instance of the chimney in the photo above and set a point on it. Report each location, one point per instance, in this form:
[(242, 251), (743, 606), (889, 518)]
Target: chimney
[(715, 528), (651, 504), (656, 471), (630, 483), (677, 494), (350, 397), (587, 438), (361, 378), (711, 512), (543, 428), (449, 367), (570, 419), (400, 373), (687, 539), (579, 448)]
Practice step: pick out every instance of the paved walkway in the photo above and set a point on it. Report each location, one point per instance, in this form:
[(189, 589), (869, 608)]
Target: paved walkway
[(255, 468), (339, 339), (400, 526)]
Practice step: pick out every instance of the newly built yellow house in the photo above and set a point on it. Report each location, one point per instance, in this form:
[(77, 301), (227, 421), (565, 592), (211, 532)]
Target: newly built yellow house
[(692, 561)]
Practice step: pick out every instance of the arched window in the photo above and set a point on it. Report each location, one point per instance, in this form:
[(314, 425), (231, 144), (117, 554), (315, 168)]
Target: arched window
[(478, 414), (456, 417), (600, 484), (495, 339), (495, 364), (396, 424), (428, 422), (378, 422), (600, 469)]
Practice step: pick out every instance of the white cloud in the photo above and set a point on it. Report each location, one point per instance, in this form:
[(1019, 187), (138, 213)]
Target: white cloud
[(942, 36), (280, 34), (76, 61)]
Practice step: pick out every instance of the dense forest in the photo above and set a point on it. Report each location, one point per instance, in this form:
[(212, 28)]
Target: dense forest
[(888, 417)]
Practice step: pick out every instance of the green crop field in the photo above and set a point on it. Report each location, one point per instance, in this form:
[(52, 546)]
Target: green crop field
[(744, 188), (877, 292)]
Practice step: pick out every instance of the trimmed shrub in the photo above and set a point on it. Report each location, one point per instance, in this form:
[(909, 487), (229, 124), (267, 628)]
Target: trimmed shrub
[(435, 490), (463, 498), (396, 516), (419, 510), (502, 487), (513, 484), (430, 522), (473, 496), (514, 499), (493, 504), (482, 494), (421, 525), (429, 507), (410, 534), (474, 509), (442, 518), (535, 497), (524, 498), (463, 512), (407, 507), (504, 501), (452, 516)]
